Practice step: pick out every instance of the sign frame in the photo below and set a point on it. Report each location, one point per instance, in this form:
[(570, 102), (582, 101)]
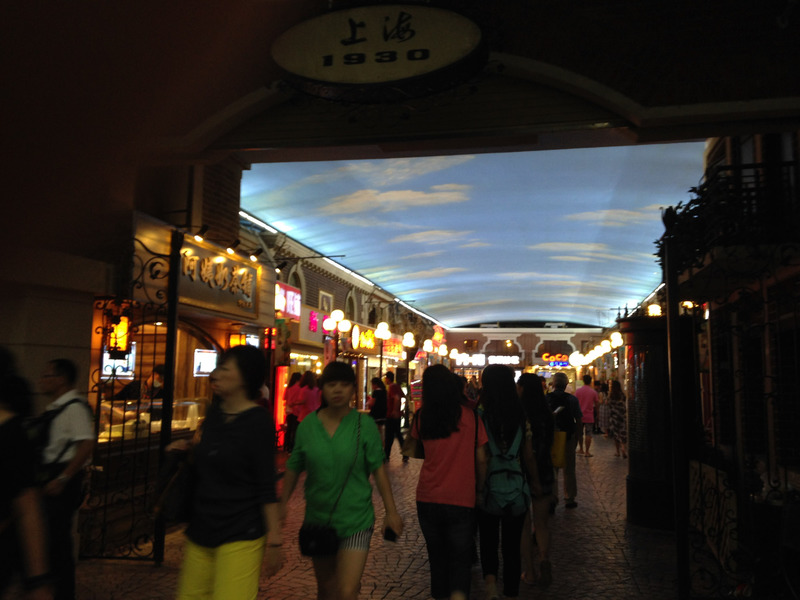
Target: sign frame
[(381, 53)]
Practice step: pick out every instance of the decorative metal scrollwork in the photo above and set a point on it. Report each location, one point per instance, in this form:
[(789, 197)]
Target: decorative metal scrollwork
[(736, 253), (114, 520)]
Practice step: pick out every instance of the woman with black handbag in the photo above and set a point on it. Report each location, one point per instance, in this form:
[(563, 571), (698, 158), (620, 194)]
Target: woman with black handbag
[(234, 519), (339, 449)]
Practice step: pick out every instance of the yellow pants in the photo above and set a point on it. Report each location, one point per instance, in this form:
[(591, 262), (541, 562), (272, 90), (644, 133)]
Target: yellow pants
[(228, 572)]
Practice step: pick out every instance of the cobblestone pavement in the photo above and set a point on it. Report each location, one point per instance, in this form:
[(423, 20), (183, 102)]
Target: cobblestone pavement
[(595, 552)]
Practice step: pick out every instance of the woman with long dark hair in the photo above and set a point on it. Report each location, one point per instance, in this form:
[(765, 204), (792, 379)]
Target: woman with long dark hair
[(235, 517), (619, 418), (23, 526), (539, 466), (454, 440), (501, 516)]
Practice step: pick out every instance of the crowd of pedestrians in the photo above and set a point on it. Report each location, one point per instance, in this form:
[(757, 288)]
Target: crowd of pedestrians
[(488, 483)]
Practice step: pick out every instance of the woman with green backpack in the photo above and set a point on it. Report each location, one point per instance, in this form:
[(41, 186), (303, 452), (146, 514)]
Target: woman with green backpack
[(505, 499)]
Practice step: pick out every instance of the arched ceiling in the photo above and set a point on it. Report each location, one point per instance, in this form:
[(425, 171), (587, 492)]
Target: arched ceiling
[(94, 90)]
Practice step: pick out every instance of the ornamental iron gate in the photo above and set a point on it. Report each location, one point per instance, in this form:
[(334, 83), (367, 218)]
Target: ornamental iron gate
[(133, 385), (733, 251)]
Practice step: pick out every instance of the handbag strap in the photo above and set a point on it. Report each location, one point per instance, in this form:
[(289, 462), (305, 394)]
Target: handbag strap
[(346, 479)]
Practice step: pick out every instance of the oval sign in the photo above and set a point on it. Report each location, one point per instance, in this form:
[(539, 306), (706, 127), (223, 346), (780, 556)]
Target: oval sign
[(376, 44)]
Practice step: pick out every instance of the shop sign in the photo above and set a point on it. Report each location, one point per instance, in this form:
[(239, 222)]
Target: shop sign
[(217, 282), (556, 360), (377, 45), (314, 322), (365, 339), (288, 301), (393, 347), (481, 360), (503, 360), (309, 328)]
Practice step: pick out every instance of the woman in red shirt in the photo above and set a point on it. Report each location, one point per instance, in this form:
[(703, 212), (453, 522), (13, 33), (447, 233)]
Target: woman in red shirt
[(454, 469)]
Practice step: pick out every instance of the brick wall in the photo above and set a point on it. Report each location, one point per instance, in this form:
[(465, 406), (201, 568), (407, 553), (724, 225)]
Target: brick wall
[(316, 280), (221, 188)]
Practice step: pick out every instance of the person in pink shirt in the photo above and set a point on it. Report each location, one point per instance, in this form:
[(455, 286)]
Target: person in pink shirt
[(587, 397), (452, 474), (308, 399)]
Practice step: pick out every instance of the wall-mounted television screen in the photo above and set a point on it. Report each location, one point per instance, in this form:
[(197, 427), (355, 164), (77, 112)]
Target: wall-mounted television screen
[(205, 361)]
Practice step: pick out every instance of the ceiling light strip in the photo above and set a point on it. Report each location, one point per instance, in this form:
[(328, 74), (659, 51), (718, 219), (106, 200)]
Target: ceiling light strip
[(262, 224), (420, 313), (258, 222), (348, 271)]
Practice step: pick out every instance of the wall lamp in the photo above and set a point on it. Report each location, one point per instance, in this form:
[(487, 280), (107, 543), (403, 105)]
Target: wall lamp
[(255, 254), (281, 266), (232, 248), (201, 232)]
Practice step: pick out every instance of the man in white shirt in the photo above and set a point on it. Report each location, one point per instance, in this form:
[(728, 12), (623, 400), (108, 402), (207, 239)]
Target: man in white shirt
[(69, 449)]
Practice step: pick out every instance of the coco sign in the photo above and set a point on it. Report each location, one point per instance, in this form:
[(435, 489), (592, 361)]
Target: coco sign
[(556, 360), (377, 45)]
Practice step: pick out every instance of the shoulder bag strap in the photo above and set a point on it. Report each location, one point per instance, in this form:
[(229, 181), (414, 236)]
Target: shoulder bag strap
[(514, 449), (69, 443), (349, 472), (493, 448)]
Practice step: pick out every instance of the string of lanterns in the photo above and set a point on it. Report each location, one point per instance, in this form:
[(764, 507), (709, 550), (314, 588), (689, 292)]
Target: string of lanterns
[(578, 359)]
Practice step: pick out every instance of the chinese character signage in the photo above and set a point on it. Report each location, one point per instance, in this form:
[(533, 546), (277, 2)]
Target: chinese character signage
[(288, 301), (217, 282), (374, 45)]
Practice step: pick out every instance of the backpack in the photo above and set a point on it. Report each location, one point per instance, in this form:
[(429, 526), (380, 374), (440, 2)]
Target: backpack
[(506, 488), (563, 418), (38, 430)]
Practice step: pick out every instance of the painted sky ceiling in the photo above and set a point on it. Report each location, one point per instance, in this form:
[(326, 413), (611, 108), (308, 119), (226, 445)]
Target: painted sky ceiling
[(562, 235)]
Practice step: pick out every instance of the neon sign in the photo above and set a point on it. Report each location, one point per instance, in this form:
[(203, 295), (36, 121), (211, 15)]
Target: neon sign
[(288, 300), (556, 360), (480, 360)]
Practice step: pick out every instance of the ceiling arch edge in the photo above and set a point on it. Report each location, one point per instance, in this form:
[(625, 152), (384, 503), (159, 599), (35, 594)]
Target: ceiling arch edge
[(642, 117)]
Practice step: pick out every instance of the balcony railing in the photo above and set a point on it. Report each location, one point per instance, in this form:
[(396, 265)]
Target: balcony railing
[(742, 205)]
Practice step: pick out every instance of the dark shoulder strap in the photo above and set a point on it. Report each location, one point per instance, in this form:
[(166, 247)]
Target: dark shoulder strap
[(514, 449), (58, 411)]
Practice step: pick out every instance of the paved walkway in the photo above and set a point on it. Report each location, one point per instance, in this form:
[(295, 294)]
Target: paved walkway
[(595, 552)]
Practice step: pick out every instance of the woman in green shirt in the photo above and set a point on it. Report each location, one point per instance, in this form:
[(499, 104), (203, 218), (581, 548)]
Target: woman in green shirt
[(339, 449)]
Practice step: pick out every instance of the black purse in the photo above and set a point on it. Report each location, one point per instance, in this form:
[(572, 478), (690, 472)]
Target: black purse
[(318, 540), (322, 540), (175, 489)]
